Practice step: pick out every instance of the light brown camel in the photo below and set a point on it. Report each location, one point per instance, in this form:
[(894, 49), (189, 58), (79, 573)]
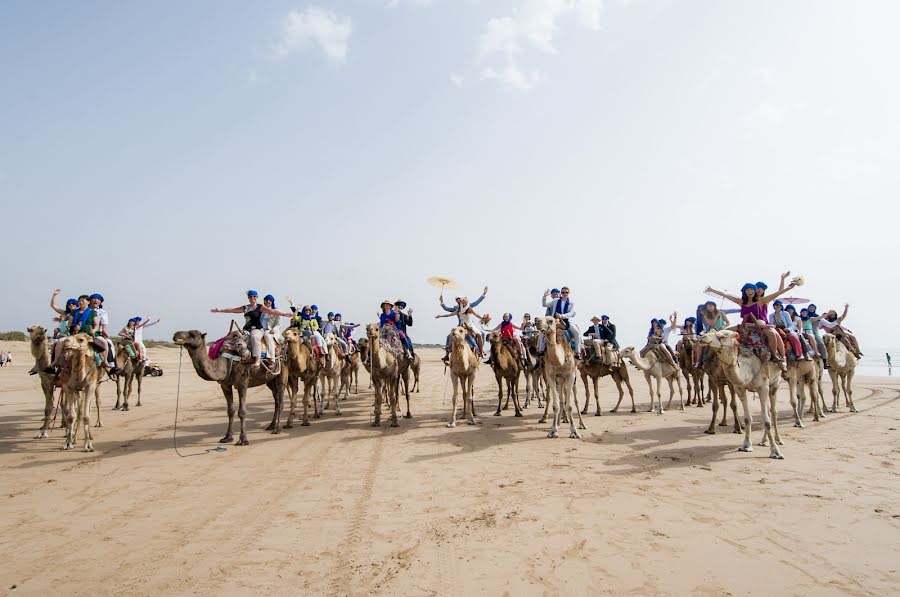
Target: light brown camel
[(81, 378), (385, 373), (535, 381), (801, 375), (363, 345), (131, 369), (331, 375), (350, 375), (302, 365), (693, 376), (595, 370), (659, 369), (717, 384), (559, 364), (841, 368), (463, 367), (415, 367), (40, 350), (233, 375), (748, 372), (506, 367)]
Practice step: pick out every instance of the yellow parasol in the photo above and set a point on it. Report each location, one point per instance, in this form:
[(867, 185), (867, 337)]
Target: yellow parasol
[(438, 281)]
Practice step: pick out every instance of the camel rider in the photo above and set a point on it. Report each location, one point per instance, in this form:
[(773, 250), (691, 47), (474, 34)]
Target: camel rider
[(346, 332), (316, 316), (81, 320), (508, 335), (528, 329), (332, 327), (306, 323), (468, 319), (831, 323), (797, 328), (784, 326), (656, 338), (390, 318), (554, 295), (253, 323), (813, 320), (271, 326), (102, 334), (563, 310), (403, 322), (126, 335), (64, 317), (139, 336), (455, 308), (602, 329)]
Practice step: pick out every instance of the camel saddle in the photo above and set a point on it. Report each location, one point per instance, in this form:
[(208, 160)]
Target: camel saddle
[(390, 341)]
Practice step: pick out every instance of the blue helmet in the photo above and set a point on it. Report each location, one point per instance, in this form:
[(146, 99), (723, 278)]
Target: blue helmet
[(331, 314), (252, 293)]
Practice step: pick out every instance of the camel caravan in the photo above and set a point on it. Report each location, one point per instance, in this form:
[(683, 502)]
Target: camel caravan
[(717, 361)]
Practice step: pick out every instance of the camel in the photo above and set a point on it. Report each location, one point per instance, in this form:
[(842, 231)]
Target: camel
[(40, 350), (595, 370), (659, 369), (506, 367), (717, 384), (302, 365), (385, 373), (350, 374), (415, 367), (463, 367), (749, 372), (81, 378), (231, 375), (693, 377), (841, 368), (799, 375), (363, 346), (535, 381), (331, 374), (130, 369), (559, 364)]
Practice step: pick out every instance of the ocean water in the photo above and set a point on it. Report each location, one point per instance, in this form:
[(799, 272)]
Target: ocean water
[(874, 363)]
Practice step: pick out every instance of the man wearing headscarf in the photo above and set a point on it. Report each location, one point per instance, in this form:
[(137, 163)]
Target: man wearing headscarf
[(563, 310)]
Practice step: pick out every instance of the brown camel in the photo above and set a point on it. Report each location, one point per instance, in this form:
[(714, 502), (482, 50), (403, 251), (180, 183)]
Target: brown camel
[(559, 363), (748, 372), (800, 375), (131, 369), (302, 365), (841, 368), (331, 374), (506, 367), (463, 367), (685, 350), (232, 374), (535, 380), (595, 370), (659, 369), (385, 373), (717, 384), (350, 375), (40, 350), (415, 367), (363, 345), (81, 378)]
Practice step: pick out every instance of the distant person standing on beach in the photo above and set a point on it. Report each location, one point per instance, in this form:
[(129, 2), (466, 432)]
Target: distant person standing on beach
[(888, 355)]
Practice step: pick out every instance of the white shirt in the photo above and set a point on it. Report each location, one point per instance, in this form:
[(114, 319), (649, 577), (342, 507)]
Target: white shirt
[(139, 332), (666, 331)]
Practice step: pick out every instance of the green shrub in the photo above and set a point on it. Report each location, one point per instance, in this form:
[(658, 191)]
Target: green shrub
[(13, 336)]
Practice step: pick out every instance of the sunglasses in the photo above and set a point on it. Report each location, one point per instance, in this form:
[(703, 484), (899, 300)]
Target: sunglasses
[(564, 292)]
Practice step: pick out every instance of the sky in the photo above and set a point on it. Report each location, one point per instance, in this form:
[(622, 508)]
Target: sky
[(173, 155)]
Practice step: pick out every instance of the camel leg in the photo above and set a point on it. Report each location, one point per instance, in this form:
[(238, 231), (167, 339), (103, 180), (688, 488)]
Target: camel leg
[(118, 393), (455, 382), (129, 380), (587, 394), (379, 386), (596, 381), (773, 409), (674, 379), (765, 408), (48, 409), (242, 415), (395, 401), (848, 389), (499, 393), (573, 398), (515, 395), (553, 386), (71, 417), (292, 394), (630, 393), (86, 416), (278, 397), (738, 428), (795, 406), (747, 446), (547, 404), (307, 390), (835, 389), (469, 390), (572, 407), (711, 430), (408, 414), (139, 377), (97, 402)]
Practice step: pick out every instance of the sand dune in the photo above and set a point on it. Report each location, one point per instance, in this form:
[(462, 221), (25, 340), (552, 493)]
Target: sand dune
[(644, 504)]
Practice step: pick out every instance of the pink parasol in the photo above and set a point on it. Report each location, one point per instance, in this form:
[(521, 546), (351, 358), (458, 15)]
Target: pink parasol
[(793, 300)]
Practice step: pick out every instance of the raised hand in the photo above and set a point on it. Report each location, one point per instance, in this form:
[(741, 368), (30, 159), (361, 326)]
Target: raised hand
[(785, 274), (485, 290)]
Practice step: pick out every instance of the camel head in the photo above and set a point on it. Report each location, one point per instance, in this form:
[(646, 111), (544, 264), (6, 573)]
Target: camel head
[(627, 352), (329, 338), (457, 336), (291, 335), (78, 343), (719, 340), (493, 337), (191, 339), (546, 324), (363, 345), (37, 333), (372, 330)]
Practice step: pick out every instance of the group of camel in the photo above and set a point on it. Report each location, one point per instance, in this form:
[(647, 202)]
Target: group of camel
[(550, 375), (78, 382)]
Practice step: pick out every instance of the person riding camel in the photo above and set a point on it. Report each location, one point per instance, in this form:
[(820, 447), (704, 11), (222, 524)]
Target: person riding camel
[(331, 326), (390, 318), (468, 319), (140, 325), (81, 320), (602, 329), (101, 336), (126, 335), (657, 338), (508, 336), (752, 314), (455, 308), (709, 319), (306, 323), (63, 318), (831, 323), (784, 327), (563, 310), (528, 328), (346, 332), (403, 322), (271, 326), (554, 295), (253, 324)]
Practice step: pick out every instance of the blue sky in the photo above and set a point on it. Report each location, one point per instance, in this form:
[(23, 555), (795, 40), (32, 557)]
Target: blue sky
[(172, 155)]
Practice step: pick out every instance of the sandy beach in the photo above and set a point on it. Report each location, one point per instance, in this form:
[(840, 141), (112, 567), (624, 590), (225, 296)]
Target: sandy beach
[(644, 504)]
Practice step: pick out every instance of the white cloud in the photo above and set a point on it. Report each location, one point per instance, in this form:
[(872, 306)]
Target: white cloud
[(532, 26), (457, 79), (317, 26)]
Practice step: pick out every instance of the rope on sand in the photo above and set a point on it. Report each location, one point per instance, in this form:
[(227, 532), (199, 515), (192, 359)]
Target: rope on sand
[(175, 427)]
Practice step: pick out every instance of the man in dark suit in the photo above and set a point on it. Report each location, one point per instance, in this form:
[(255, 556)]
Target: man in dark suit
[(602, 329), (404, 322)]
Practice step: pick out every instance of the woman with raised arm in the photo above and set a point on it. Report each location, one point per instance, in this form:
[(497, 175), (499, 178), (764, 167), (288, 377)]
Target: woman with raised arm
[(464, 316), (253, 323), (831, 323)]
